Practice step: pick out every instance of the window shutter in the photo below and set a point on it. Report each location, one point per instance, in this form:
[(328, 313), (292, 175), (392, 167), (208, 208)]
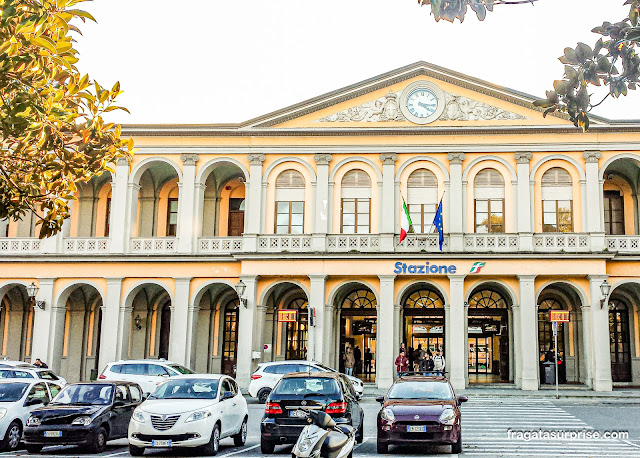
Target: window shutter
[(356, 184), (422, 178), (488, 184), (557, 185), (422, 187), (290, 186)]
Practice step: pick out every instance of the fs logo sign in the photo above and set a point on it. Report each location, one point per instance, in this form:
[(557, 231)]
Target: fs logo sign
[(475, 268)]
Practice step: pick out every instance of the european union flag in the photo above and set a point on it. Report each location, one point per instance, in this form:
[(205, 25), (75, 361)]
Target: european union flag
[(437, 222)]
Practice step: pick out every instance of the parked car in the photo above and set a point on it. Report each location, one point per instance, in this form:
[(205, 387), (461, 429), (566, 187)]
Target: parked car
[(11, 363), (190, 411), (267, 375), (17, 400), (284, 413), (87, 414), (148, 373), (420, 409), (20, 372)]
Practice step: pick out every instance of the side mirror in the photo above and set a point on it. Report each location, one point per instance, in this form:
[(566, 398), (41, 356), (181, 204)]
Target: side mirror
[(34, 402), (380, 399), (462, 399)]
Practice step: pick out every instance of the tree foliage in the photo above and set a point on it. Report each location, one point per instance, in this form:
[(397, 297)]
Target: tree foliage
[(53, 132), (450, 10)]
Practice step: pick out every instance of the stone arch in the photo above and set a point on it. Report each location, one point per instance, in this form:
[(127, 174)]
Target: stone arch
[(411, 285), (348, 160), (561, 157), (208, 167), (405, 164), (489, 158), (283, 160), (145, 164), (16, 321)]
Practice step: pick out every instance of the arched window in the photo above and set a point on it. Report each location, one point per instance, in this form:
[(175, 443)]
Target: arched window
[(545, 328), (488, 194), (360, 298), (289, 203), (424, 299), (297, 331), (487, 298), (619, 341), (422, 199), (557, 201), (356, 203)]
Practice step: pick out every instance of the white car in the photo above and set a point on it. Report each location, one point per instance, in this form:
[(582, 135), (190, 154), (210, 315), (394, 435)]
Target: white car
[(268, 374), (25, 372), (148, 373), (17, 399), (190, 411)]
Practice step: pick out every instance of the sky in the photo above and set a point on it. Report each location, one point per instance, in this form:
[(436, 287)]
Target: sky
[(215, 61)]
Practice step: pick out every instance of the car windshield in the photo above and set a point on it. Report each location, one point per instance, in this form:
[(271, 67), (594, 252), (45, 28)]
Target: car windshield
[(85, 394), (307, 387), (421, 390), (12, 392), (186, 388), (181, 369)]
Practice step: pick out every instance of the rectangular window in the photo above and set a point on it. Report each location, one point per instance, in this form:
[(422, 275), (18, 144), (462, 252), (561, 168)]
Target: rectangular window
[(107, 217), (489, 215), (289, 217), (422, 216), (613, 213), (172, 217), (557, 216), (356, 216)]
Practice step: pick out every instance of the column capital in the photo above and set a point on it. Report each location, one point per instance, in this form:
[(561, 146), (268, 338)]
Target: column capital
[(317, 276), (256, 158), (388, 158), (114, 279), (322, 158), (245, 277), (126, 309), (592, 156), (457, 277), (189, 159), (527, 277), (387, 277), (182, 279), (455, 158), (523, 158), (122, 161), (46, 281), (597, 278)]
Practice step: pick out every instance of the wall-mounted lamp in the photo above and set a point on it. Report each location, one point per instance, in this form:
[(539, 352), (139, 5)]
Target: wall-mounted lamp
[(137, 322), (240, 289), (32, 291), (605, 289)]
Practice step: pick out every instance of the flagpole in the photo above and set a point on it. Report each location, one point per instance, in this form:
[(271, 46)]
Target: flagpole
[(439, 202)]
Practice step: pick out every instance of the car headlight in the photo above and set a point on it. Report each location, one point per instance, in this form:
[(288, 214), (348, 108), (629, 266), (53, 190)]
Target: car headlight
[(195, 416), (81, 421), (447, 417), (137, 416), (34, 421), (387, 414), (3, 412)]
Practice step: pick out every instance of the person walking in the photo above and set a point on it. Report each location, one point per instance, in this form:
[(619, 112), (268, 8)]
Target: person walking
[(401, 363), (438, 362), (357, 354), (349, 361)]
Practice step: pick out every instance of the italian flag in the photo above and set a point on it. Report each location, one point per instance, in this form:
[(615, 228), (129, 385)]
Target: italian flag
[(405, 221)]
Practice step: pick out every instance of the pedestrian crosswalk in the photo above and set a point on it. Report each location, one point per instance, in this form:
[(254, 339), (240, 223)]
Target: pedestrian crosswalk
[(495, 426)]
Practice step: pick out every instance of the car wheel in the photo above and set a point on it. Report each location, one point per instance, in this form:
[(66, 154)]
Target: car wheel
[(457, 447), (12, 437), (136, 451), (214, 443), (263, 395), (382, 447), (240, 438), (33, 448), (266, 446), (360, 433), (99, 441)]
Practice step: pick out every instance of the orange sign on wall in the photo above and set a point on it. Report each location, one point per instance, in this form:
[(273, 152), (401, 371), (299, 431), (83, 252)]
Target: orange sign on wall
[(287, 316), (560, 316)]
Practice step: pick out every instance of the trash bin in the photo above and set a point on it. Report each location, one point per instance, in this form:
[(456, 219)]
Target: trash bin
[(549, 373), (93, 375)]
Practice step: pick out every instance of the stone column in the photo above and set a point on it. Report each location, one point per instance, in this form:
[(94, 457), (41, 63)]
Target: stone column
[(527, 333), (387, 199), (192, 335), (316, 302), (124, 331), (258, 344), (41, 335), (321, 204), (253, 203), (178, 337), (456, 202), (385, 358), (397, 330), (246, 338), (187, 205), (121, 207), (328, 335), (524, 224), (517, 343), (456, 325), (593, 199), (600, 348), (109, 336)]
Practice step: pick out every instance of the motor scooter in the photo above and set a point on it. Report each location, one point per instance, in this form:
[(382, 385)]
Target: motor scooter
[(322, 437)]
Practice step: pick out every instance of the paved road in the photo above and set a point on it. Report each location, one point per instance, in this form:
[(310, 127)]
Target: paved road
[(485, 424)]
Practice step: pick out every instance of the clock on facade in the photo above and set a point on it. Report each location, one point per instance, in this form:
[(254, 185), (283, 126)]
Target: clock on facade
[(422, 102)]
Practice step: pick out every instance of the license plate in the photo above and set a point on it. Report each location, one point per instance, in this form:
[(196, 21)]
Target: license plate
[(416, 429), (297, 413), (53, 434), (161, 443)]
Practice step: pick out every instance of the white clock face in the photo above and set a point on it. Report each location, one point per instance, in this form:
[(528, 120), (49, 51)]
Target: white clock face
[(422, 103)]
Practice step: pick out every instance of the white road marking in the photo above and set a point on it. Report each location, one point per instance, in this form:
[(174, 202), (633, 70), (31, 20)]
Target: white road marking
[(241, 451)]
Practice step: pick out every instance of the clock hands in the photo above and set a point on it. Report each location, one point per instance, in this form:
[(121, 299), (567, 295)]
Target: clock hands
[(427, 106)]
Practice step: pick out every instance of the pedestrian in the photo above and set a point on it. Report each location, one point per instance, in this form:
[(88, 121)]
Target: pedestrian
[(438, 362), (416, 359), (409, 353), (40, 364), (349, 361), (428, 363), (367, 360), (357, 354), (403, 348), (421, 358), (401, 363)]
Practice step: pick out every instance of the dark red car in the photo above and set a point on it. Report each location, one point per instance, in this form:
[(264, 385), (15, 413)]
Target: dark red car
[(420, 409)]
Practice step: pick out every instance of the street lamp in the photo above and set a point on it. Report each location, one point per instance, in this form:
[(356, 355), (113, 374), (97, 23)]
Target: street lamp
[(136, 321), (605, 289), (240, 289), (32, 291)]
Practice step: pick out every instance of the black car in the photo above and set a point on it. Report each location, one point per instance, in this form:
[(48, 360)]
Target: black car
[(285, 415), (87, 414)]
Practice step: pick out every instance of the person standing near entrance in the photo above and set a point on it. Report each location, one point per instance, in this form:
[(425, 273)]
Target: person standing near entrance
[(438, 362), (401, 363), (349, 361), (421, 358), (428, 363), (367, 361), (357, 354)]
